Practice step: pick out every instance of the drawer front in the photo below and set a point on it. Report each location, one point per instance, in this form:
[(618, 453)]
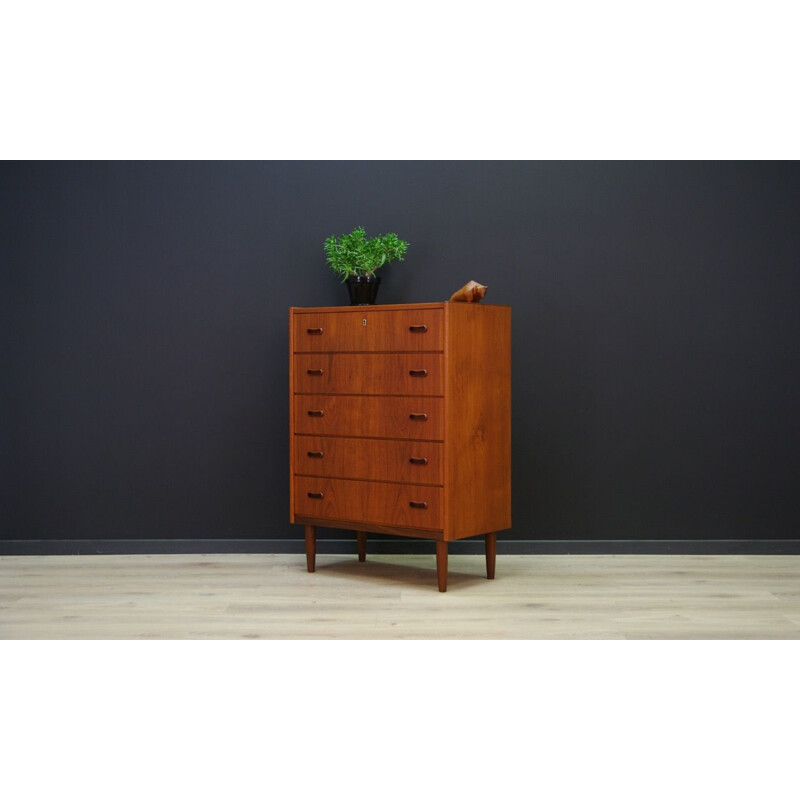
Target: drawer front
[(370, 459), (369, 502), (353, 415), (369, 331), (365, 373)]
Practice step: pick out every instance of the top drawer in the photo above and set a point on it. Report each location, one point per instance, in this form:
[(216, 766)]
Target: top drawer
[(369, 331)]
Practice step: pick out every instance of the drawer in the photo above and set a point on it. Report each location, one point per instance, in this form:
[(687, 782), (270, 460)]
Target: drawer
[(369, 330), (355, 415), (369, 502), (371, 459), (367, 373)]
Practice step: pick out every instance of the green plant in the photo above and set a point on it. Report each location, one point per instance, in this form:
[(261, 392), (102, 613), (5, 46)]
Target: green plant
[(354, 254)]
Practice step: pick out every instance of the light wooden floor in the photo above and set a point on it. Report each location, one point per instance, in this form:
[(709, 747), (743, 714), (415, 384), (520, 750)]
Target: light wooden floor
[(396, 597)]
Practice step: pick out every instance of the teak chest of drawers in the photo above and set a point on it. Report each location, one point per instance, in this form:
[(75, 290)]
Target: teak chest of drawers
[(400, 422)]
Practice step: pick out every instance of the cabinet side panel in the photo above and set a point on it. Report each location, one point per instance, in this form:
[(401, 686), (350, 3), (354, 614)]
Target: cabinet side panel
[(448, 405), (478, 438)]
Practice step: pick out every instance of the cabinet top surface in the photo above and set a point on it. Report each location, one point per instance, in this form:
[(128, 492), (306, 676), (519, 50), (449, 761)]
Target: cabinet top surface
[(388, 307)]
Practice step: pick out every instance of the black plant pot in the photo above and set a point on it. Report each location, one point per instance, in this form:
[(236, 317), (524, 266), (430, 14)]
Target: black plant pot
[(363, 289)]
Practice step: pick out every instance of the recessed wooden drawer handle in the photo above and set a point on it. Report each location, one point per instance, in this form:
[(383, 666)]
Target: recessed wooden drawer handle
[(422, 461), (418, 328), (415, 417), (314, 453), (316, 495), (418, 373), (415, 504), (316, 413), (314, 331), (314, 372)]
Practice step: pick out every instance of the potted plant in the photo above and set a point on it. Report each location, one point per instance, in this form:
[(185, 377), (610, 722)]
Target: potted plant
[(355, 257)]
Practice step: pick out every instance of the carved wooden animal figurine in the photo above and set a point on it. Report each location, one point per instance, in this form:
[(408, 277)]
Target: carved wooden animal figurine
[(471, 292)]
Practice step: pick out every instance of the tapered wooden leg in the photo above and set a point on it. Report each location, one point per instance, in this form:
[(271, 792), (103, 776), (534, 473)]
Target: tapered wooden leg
[(491, 553), (311, 547), (441, 564), (361, 538)]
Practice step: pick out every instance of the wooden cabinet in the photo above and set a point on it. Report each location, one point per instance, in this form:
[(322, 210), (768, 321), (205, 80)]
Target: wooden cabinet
[(400, 421)]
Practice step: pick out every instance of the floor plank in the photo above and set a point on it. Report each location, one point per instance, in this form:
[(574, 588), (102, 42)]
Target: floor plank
[(251, 596)]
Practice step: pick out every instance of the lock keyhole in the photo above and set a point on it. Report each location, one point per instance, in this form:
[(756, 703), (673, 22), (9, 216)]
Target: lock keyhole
[(364, 322)]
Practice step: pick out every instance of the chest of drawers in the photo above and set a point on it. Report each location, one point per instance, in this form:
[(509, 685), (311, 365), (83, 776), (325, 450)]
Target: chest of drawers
[(400, 423)]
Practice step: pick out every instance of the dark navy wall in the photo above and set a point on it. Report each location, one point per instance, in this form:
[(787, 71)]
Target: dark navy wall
[(656, 337)]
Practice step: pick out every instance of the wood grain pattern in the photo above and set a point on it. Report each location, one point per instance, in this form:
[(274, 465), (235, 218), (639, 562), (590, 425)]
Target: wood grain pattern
[(369, 373), (441, 565), (478, 445), (375, 309), (384, 330), (369, 527), (369, 501), (361, 541), (407, 461), (311, 547), (291, 415), (269, 596), (491, 554), (359, 415), (387, 397)]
